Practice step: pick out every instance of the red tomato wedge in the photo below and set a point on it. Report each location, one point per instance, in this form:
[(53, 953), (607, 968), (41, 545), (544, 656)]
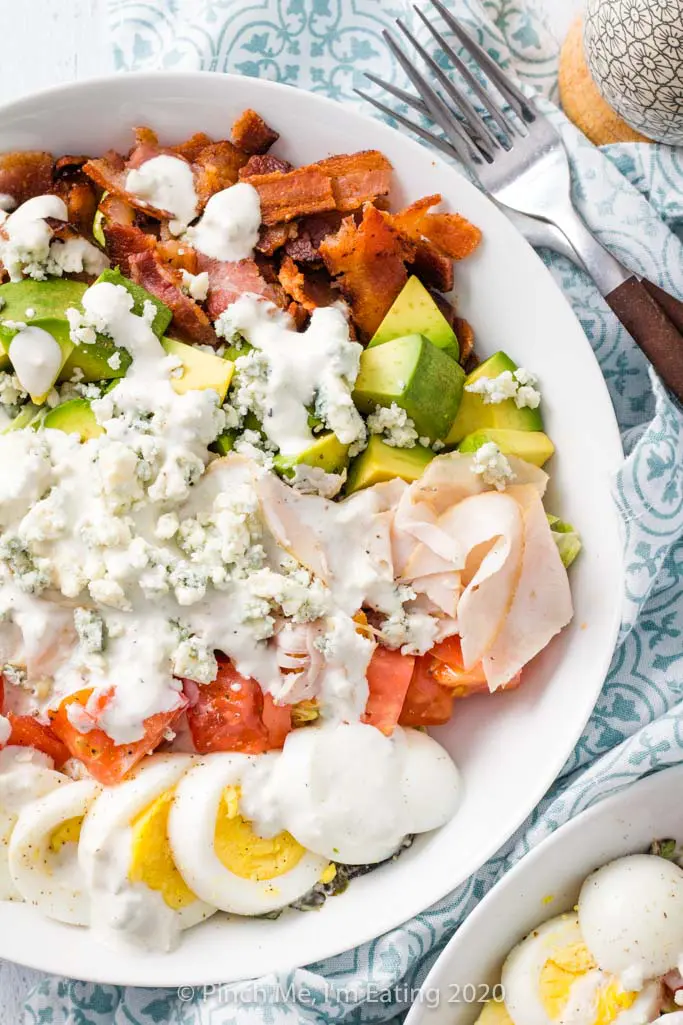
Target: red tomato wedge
[(427, 703), (28, 732), (233, 714), (388, 675), (106, 761), (449, 672)]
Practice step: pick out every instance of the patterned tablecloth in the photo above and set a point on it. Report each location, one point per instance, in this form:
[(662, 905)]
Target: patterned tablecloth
[(632, 196)]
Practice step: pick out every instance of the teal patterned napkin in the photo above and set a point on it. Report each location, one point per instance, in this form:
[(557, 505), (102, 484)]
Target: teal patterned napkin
[(632, 196)]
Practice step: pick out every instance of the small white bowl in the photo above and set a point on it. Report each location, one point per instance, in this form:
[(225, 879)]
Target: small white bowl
[(544, 884)]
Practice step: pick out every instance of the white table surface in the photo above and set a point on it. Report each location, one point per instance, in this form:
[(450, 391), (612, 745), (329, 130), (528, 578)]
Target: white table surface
[(49, 42)]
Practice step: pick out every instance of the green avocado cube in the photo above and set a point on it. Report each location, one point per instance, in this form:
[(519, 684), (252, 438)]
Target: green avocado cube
[(163, 315), (380, 462), (418, 377), (327, 452), (74, 417), (415, 312), (532, 446), (29, 415), (200, 369), (475, 414)]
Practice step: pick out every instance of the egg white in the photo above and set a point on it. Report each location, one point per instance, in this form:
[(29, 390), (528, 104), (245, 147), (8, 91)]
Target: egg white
[(51, 880), (105, 847), (431, 782), (631, 915), (25, 775), (191, 828)]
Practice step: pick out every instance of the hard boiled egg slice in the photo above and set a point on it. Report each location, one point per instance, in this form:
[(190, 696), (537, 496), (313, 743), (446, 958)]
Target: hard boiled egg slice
[(25, 775), (219, 853), (631, 914), (138, 894), (43, 859), (551, 978)]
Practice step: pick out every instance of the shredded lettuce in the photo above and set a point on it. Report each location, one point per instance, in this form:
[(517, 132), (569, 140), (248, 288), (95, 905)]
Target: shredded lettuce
[(566, 539)]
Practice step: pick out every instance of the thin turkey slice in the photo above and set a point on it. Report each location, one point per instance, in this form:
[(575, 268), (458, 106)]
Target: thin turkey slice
[(542, 604), (489, 528), (296, 522), (442, 589)]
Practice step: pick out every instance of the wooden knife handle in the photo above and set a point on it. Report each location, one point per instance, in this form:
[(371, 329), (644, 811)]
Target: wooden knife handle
[(651, 328), (671, 306)]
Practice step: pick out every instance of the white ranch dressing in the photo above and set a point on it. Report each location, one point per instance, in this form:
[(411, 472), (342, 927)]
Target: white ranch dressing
[(319, 363), (229, 226), (36, 358), (167, 183), (28, 235)]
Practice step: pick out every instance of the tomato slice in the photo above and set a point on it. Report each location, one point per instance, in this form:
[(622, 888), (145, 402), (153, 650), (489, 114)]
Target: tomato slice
[(232, 714), (389, 676), (27, 731), (106, 761), (426, 703), (449, 672)]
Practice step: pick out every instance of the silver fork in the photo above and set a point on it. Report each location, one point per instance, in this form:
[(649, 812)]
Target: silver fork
[(518, 158)]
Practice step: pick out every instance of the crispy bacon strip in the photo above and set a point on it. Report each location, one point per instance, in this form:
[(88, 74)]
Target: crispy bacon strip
[(304, 246), (26, 174), (452, 234), (251, 134), (264, 163), (125, 242), (216, 167), (113, 180), (357, 178), (294, 283), (192, 147), (465, 336), (178, 255), (228, 281), (163, 281), (273, 237), (305, 190), (369, 259), (68, 164), (81, 202)]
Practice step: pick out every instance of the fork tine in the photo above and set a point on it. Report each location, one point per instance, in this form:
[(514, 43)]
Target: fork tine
[(504, 123), (438, 110), (433, 140), (400, 94), (517, 100), (476, 123)]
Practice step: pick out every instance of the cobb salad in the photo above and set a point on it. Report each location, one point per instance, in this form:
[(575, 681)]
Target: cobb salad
[(264, 517), (616, 958)]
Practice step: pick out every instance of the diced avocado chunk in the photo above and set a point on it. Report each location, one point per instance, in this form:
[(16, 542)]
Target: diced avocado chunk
[(40, 304), (415, 312), (326, 452), (418, 377), (381, 462), (74, 417), (532, 446), (29, 415), (225, 442), (475, 414), (200, 369), (494, 1012), (102, 360), (566, 538)]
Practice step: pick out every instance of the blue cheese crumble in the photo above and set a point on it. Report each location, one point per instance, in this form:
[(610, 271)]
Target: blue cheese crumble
[(492, 466), (395, 426), (520, 386)]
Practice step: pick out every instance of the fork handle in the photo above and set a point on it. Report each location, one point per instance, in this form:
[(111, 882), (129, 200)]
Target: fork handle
[(648, 324)]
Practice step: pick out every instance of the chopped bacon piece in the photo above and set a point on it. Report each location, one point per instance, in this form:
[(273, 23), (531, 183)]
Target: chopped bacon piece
[(113, 179), (409, 220), (465, 336), (273, 237), (178, 255), (192, 147), (304, 247), (370, 259), (298, 314), (294, 283), (162, 281), (251, 134), (432, 267), (67, 164), (357, 178), (452, 234), (26, 174), (144, 136), (228, 281), (216, 167), (305, 190), (264, 163), (124, 242), (116, 211), (81, 202)]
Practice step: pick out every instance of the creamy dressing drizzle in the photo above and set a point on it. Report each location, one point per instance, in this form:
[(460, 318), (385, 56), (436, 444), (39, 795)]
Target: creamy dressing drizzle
[(27, 248), (167, 183), (229, 227), (36, 358)]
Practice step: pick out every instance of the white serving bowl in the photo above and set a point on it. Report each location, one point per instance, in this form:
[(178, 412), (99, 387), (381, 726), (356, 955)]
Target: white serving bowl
[(509, 748), (543, 884)]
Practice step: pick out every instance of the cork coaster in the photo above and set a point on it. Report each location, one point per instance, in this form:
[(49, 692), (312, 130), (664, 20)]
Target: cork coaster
[(581, 99)]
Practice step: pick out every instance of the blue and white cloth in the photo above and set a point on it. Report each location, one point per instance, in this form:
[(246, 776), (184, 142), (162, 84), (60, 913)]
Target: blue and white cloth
[(632, 196)]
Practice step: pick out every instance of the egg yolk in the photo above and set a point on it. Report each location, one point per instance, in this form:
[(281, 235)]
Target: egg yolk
[(68, 831), (151, 860), (561, 971), (494, 1013), (244, 852)]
